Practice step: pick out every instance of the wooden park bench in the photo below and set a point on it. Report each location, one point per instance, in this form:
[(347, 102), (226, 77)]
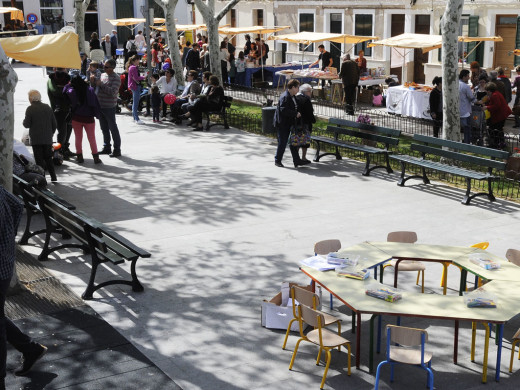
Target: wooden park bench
[(93, 237), (458, 153), (24, 191), (221, 113), (350, 135)]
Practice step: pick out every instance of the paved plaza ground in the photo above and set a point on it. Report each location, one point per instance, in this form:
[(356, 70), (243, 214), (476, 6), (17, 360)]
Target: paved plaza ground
[(225, 227)]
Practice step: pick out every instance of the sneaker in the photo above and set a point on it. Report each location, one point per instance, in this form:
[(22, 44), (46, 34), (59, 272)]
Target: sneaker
[(154, 121), (28, 360), (106, 151), (139, 122)]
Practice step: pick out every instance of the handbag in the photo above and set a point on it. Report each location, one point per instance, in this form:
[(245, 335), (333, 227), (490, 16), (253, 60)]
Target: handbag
[(299, 135)]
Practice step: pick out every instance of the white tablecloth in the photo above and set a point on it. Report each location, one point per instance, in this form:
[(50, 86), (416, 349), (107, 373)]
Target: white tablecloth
[(404, 101)]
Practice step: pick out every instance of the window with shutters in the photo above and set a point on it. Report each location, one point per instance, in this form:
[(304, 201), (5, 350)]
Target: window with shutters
[(363, 26)]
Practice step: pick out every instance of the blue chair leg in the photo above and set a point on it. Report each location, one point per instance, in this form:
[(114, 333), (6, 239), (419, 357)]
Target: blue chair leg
[(430, 376), (331, 303), (391, 372), (378, 372)]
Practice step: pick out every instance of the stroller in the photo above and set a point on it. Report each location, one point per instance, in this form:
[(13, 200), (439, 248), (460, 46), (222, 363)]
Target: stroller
[(479, 134)]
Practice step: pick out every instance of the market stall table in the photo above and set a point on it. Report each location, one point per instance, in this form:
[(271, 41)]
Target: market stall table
[(408, 102)]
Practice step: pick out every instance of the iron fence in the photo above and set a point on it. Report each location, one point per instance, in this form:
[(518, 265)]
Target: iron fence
[(507, 187)]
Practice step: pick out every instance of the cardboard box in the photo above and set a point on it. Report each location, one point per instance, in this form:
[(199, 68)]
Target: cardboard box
[(276, 316)]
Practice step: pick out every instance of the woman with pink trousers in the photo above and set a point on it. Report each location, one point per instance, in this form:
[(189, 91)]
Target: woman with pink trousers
[(85, 107)]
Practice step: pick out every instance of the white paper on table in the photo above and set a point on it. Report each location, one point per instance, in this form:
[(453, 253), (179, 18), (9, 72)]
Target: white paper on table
[(318, 262)]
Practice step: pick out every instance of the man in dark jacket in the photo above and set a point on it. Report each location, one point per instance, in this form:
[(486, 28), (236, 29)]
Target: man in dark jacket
[(193, 58), (61, 106), (349, 74), (284, 118), (113, 43)]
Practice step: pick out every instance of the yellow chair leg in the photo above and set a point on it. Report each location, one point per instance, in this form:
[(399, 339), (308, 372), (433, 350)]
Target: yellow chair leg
[(442, 277), (339, 334), (422, 282), (513, 346), (326, 369), (294, 353), (287, 333), (348, 367), (473, 335), (486, 348), (318, 358), (417, 281)]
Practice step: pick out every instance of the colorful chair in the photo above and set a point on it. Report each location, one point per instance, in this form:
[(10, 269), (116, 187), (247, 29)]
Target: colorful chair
[(406, 265), (323, 338), (308, 298), (480, 245), (513, 256), (404, 352), (324, 248)]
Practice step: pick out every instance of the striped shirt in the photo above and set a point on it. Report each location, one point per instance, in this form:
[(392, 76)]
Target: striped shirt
[(109, 90)]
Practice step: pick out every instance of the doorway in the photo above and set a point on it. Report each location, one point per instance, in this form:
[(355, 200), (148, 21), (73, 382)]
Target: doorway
[(505, 28), (397, 28), (335, 26), (422, 26)]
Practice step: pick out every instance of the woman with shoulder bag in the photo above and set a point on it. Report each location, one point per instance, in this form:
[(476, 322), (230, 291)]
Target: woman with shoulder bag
[(303, 98)]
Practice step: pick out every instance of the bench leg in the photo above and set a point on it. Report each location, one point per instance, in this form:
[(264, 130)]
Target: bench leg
[(467, 197), (90, 287), (366, 171), (338, 156), (491, 197), (388, 167), (424, 177), (317, 155), (226, 126), (136, 285), (402, 180)]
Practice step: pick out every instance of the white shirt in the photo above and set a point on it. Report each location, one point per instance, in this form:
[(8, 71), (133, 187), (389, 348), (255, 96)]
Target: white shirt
[(167, 87), (139, 41)]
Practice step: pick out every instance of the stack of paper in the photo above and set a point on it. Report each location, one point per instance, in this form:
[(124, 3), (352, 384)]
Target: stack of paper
[(318, 262), (485, 263), (336, 258)]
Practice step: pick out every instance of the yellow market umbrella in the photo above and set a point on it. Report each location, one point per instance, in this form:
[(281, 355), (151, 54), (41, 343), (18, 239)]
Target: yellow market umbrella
[(132, 21), (252, 30), (15, 12), (56, 50)]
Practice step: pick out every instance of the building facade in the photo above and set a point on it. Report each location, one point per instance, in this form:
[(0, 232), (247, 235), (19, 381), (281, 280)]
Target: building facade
[(386, 19)]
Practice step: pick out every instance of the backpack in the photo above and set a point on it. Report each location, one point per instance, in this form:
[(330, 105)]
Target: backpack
[(133, 47)]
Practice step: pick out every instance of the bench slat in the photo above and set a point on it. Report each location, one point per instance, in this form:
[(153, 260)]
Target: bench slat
[(365, 126), (345, 144), (367, 136), (459, 156), (462, 146)]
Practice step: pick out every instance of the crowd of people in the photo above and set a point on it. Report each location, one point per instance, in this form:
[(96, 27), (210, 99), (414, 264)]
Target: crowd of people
[(479, 91)]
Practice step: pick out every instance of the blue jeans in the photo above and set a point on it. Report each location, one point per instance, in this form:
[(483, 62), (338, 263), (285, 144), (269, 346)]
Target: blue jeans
[(135, 103), (107, 122), (240, 78), (465, 125)]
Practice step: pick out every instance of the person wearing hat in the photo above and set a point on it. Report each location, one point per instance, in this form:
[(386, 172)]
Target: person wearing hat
[(84, 64), (113, 43)]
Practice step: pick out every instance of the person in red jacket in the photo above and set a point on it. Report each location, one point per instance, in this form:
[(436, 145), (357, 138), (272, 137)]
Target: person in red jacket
[(499, 111)]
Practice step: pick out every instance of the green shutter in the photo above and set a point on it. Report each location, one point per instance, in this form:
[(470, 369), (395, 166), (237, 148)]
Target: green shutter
[(473, 32), (517, 46)]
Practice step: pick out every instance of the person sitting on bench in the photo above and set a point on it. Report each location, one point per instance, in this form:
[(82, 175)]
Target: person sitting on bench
[(211, 102)]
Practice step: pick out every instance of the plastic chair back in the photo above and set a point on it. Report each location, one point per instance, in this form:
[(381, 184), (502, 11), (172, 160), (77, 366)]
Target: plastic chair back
[(305, 297), (311, 316), (513, 256), (97, 55), (480, 245), (402, 236), (408, 337), (326, 246)]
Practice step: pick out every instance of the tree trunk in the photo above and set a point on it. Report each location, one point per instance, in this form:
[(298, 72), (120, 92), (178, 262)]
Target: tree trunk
[(450, 80), (80, 7), (212, 22), (173, 42), (8, 81)]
